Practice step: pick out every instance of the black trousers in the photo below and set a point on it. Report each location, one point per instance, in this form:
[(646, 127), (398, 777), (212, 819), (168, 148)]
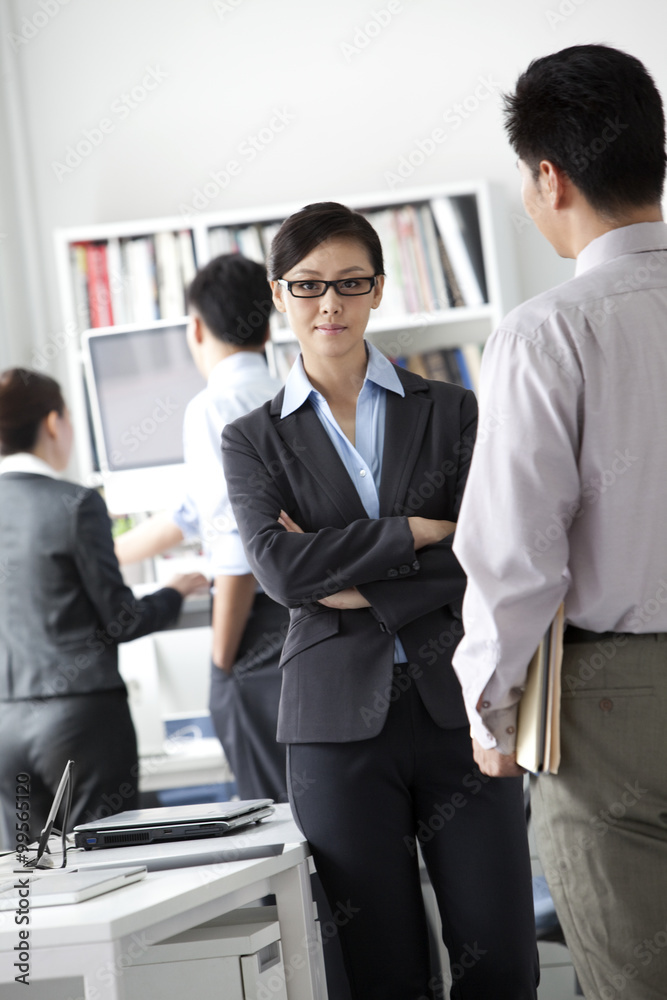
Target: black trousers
[(363, 806), (244, 705), (39, 736)]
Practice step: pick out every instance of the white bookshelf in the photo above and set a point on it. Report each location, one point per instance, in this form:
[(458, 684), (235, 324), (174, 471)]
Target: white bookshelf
[(405, 333)]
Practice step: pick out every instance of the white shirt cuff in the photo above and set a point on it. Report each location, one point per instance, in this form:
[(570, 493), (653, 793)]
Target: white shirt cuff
[(227, 556)]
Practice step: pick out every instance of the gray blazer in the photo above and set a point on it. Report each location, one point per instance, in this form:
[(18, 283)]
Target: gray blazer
[(338, 665), (63, 604)]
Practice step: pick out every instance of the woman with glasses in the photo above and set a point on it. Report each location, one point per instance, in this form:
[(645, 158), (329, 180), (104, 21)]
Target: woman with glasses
[(346, 489)]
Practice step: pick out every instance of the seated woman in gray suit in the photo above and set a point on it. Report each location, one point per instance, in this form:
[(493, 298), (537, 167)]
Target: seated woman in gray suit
[(63, 610), (346, 488)]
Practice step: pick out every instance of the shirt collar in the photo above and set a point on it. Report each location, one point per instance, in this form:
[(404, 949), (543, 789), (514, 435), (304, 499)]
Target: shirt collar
[(228, 370), (24, 461), (639, 238), (379, 371)]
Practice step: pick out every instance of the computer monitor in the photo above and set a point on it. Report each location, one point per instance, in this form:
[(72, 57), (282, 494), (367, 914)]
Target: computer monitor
[(140, 379)]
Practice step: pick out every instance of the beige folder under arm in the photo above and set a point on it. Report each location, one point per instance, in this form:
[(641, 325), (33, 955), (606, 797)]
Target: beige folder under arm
[(538, 724)]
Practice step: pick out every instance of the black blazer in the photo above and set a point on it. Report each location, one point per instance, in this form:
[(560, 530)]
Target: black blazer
[(63, 604), (338, 665)]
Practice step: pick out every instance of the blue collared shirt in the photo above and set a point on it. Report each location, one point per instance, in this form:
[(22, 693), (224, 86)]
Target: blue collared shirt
[(237, 385), (362, 461)]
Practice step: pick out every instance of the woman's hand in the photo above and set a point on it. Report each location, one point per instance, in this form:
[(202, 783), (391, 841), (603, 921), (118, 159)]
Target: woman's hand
[(345, 600), (289, 524), (427, 531)]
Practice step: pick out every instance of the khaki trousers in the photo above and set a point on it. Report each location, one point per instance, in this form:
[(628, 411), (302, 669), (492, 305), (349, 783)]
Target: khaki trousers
[(601, 823)]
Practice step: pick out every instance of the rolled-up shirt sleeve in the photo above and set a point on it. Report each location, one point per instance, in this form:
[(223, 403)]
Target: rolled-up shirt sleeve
[(511, 538), (186, 518)]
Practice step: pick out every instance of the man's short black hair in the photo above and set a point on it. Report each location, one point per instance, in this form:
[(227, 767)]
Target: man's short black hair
[(233, 297), (596, 113)]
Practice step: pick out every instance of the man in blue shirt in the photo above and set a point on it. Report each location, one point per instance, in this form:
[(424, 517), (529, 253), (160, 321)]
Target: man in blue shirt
[(229, 304)]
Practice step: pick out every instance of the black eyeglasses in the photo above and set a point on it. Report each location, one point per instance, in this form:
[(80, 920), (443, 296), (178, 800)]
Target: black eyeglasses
[(315, 289)]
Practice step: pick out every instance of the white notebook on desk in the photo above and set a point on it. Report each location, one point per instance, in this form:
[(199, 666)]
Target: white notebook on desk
[(62, 886)]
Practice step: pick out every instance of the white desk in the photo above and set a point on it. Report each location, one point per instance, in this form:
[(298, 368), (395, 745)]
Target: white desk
[(98, 938)]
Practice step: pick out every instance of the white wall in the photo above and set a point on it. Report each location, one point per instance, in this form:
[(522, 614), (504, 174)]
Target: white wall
[(228, 66)]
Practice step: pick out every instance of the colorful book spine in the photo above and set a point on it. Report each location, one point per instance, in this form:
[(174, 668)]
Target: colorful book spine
[(99, 293)]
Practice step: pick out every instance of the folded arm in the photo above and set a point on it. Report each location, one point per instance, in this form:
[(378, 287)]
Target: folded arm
[(297, 568)]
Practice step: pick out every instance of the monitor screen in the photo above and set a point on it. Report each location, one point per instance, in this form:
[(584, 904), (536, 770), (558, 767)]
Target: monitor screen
[(140, 382)]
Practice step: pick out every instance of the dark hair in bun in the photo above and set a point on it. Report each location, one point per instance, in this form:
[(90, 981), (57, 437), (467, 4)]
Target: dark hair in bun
[(26, 398)]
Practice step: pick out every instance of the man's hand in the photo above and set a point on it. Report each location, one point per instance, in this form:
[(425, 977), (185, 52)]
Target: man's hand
[(345, 600), (494, 763)]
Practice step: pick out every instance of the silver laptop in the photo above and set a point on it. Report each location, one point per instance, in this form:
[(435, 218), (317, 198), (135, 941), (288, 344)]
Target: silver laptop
[(168, 823)]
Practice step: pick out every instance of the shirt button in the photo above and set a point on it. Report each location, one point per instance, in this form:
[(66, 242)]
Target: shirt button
[(510, 730), (362, 472), (486, 704), (606, 704)]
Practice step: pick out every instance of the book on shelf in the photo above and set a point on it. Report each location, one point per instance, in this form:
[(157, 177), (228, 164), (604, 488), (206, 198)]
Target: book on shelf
[(99, 293), (78, 259), (538, 722), (246, 240), (171, 300), (459, 365), (433, 255), (141, 283), (131, 279), (285, 354), (449, 219), (437, 273)]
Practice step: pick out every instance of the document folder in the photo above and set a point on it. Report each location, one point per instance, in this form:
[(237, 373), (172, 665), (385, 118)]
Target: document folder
[(538, 724)]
